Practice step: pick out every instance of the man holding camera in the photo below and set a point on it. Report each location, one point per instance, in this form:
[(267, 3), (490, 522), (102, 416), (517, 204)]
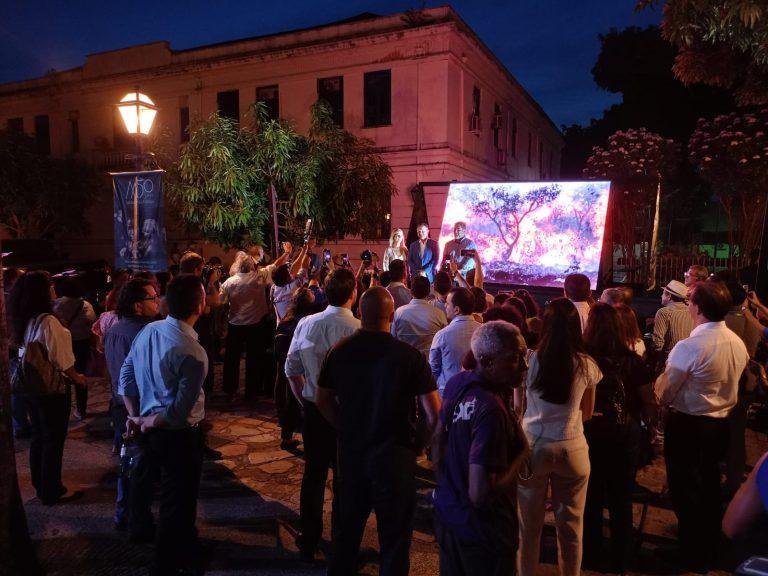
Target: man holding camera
[(250, 322), (461, 249)]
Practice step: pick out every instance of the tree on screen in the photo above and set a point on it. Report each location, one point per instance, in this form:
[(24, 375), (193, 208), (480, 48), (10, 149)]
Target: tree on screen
[(578, 220), (509, 208)]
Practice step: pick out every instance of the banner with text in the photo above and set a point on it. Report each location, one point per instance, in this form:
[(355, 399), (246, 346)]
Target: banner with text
[(139, 220)]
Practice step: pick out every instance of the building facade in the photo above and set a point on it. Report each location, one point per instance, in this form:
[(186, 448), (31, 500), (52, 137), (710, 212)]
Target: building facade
[(438, 104)]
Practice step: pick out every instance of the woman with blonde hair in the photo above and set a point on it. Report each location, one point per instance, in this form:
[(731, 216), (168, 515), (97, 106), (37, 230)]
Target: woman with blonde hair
[(396, 249)]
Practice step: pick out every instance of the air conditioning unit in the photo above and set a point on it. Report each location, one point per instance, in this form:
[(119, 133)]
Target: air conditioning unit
[(501, 157), (474, 124)]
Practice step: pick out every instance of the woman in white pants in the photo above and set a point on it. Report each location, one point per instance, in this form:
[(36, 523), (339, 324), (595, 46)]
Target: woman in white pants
[(559, 395)]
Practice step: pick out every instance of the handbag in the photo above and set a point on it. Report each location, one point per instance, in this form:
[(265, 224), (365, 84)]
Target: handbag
[(33, 374)]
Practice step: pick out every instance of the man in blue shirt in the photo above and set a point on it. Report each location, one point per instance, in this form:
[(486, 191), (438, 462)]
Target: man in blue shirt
[(460, 243), (166, 368), (137, 305)]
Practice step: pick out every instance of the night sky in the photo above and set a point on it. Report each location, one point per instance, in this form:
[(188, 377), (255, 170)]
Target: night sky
[(550, 46)]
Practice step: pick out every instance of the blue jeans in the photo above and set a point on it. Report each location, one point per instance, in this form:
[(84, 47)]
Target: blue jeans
[(19, 416)]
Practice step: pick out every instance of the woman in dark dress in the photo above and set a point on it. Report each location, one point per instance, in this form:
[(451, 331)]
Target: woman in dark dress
[(613, 435), (288, 407)]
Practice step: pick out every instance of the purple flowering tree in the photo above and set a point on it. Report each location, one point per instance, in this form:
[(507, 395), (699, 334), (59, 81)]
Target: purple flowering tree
[(636, 161), (731, 154)]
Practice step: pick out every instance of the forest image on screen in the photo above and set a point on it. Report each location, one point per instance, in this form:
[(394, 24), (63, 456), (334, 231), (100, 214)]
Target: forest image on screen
[(531, 233)]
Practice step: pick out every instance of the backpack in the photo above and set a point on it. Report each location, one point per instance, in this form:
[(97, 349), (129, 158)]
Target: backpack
[(33, 374), (610, 394)]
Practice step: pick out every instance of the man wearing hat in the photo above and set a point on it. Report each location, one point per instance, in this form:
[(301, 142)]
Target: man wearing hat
[(672, 322)]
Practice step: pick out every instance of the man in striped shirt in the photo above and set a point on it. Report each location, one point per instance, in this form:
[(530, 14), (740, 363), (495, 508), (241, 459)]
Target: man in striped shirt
[(672, 322)]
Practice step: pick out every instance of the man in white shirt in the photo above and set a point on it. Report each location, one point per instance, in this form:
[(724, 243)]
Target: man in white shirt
[(417, 322), (314, 336), (451, 344), (577, 289), (700, 385), (249, 323)]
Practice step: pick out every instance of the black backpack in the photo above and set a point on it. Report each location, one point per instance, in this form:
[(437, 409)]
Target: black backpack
[(610, 393)]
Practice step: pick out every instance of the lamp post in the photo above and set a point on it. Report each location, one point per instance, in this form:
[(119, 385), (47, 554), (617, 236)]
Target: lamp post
[(138, 113)]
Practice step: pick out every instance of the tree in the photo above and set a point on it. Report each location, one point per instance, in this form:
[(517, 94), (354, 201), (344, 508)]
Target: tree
[(508, 209), (731, 154), (721, 43), (636, 161), (226, 175), (637, 63), (43, 197)]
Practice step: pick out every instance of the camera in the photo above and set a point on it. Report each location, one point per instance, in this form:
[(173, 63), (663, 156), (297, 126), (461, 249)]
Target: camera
[(326, 256), (345, 260), (307, 230), (446, 267), (468, 253), (366, 256)]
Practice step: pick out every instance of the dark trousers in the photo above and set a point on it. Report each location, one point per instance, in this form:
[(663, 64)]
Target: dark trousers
[(387, 486), (458, 558), (693, 448), (49, 417), (288, 408), (319, 457), (256, 340), (613, 453), (178, 454), (82, 351)]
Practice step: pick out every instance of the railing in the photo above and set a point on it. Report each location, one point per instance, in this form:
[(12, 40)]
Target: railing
[(634, 270), (113, 160)]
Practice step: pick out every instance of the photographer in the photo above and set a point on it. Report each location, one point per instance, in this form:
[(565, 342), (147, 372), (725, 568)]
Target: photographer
[(250, 323), (474, 277), (286, 280)]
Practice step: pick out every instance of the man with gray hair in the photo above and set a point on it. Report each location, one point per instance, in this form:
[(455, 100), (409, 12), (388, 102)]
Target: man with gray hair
[(477, 453)]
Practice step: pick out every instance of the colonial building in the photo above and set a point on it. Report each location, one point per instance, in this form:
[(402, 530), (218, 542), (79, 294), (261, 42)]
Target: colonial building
[(435, 100)]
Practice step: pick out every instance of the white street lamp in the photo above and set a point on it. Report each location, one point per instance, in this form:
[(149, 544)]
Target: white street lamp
[(138, 113)]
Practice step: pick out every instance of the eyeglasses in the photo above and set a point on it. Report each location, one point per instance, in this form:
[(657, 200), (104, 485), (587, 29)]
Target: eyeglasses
[(155, 297)]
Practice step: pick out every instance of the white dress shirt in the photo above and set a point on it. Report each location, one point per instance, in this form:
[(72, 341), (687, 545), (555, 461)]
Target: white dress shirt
[(449, 347), (583, 309), (703, 371), (416, 324), (246, 294), (314, 336)]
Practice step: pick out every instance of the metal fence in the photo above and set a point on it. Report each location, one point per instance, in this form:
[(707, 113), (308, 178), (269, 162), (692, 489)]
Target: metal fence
[(634, 270)]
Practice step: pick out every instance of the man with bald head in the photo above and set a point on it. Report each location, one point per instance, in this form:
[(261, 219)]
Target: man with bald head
[(366, 391)]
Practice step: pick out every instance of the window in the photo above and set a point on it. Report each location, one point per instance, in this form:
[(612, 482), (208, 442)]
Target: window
[(513, 139), (551, 160), (476, 101), (42, 135), (184, 123), (15, 125), (530, 148), (542, 172), (74, 131), (228, 104), (270, 95), (498, 128), (377, 98), (331, 90)]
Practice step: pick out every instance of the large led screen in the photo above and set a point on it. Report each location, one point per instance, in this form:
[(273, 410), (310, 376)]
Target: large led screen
[(531, 233)]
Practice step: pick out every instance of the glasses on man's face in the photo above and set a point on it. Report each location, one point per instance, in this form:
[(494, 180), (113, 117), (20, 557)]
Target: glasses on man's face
[(155, 297)]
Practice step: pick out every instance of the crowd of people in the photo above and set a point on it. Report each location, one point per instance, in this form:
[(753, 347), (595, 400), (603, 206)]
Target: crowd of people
[(515, 407)]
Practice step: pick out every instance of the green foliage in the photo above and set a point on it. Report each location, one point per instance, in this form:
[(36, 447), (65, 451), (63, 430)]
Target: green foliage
[(225, 172), (722, 43), (43, 197)]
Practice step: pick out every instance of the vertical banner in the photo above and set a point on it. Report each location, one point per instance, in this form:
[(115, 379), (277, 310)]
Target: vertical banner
[(139, 220)]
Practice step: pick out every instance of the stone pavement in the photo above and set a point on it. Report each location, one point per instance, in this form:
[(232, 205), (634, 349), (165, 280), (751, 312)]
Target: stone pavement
[(247, 509)]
